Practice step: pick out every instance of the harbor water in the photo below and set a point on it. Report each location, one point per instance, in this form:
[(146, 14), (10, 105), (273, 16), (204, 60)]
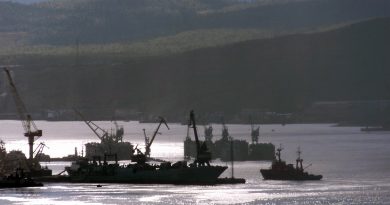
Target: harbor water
[(355, 166)]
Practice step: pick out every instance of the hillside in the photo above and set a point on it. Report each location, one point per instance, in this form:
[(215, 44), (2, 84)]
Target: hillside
[(282, 74), (63, 22)]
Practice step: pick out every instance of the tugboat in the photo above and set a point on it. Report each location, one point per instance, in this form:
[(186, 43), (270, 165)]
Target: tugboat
[(281, 171), (198, 172)]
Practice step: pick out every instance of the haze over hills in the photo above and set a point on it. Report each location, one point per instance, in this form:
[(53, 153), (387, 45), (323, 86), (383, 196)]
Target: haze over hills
[(165, 57), (63, 22), (283, 74)]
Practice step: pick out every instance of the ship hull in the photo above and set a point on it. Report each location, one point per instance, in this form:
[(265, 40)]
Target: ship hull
[(19, 183), (269, 174), (188, 175)]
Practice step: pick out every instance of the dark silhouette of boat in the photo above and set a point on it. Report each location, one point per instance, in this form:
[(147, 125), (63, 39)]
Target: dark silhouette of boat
[(375, 129), (281, 171), (18, 179), (198, 172)]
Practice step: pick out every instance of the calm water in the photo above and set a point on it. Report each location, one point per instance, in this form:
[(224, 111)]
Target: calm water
[(355, 166)]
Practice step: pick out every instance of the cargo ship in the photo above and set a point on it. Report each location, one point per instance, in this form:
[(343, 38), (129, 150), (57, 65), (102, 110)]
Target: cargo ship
[(140, 171)]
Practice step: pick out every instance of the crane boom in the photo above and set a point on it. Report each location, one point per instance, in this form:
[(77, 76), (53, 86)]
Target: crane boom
[(162, 120), (203, 156), (30, 129), (94, 127)]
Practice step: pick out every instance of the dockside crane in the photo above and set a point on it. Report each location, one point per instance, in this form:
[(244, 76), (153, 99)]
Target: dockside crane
[(30, 129), (99, 132), (140, 157), (39, 150), (203, 156), (147, 141)]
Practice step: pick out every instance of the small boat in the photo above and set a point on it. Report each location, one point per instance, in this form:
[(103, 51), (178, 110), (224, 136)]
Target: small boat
[(281, 171), (18, 179)]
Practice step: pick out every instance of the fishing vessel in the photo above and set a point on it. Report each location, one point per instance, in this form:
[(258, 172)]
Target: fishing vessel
[(281, 171), (140, 171)]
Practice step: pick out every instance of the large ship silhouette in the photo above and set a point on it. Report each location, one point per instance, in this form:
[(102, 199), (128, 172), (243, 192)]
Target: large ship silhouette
[(141, 171)]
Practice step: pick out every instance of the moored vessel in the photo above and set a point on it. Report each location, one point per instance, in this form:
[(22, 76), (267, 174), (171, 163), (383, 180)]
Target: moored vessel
[(18, 179), (281, 171), (198, 172)]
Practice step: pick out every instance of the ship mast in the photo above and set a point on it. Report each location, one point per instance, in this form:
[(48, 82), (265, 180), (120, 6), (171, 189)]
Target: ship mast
[(299, 160), (278, 152), (232, 155), (225, 131), (255, 133)]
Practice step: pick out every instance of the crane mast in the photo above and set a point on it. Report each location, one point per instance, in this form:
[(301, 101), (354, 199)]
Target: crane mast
[(147, 148), (30, 129)]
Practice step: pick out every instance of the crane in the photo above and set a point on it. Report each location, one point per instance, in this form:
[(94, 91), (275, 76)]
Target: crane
[(99, 132), (141, 157), (30, 129), (202, 154), (147, 140), (38, 150), (162, 120)]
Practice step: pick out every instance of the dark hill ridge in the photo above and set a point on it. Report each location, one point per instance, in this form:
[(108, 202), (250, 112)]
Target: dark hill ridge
[(101, 21), (283, 74)]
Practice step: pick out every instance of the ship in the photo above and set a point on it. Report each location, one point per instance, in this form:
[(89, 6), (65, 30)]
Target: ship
[(18, 179), (281, 171), (200, 171), (110, 143), (244, 151), (384, 127)]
